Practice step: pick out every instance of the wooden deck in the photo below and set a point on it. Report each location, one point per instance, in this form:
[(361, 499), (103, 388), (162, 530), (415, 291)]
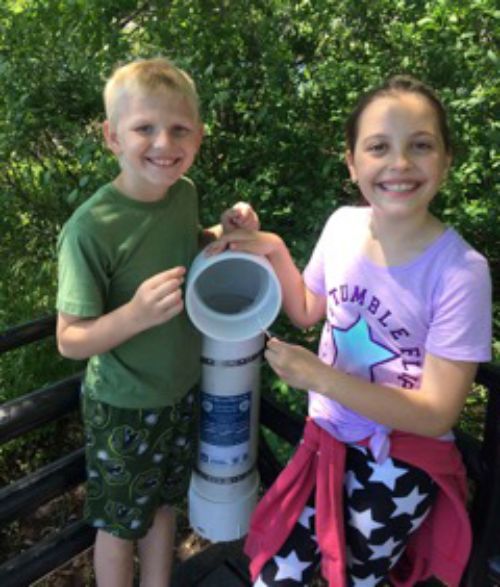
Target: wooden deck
[(218, 565)]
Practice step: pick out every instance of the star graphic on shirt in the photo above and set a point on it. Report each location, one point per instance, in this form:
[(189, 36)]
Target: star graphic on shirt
[(351, 483), (369, 581), (387, 473), (357, 352), (384, 550), (363, 521), (408, 504), (259, 582), (289, 567)]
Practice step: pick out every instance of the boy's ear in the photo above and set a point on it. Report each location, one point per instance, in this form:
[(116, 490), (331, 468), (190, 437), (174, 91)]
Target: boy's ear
[(201, 134), (349, 159), (111, 137)]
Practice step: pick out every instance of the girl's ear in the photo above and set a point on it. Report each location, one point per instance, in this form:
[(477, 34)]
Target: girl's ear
[(349, 159), (449, 161), (110, 137)]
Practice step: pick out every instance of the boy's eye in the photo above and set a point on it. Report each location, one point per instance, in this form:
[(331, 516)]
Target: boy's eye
[(145, 129), (180, 131)]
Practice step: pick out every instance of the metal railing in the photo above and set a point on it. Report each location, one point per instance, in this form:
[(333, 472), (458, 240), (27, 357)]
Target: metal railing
[(20, 498)]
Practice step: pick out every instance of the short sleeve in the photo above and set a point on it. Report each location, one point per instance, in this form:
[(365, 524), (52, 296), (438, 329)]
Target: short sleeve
[(314, 273), (82, 280), (461, 324)]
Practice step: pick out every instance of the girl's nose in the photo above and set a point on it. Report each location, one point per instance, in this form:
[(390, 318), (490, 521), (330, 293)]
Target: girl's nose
[(401, 160)]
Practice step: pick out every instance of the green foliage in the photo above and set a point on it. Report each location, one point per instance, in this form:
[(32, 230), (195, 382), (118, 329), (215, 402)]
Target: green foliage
[(276, 80)]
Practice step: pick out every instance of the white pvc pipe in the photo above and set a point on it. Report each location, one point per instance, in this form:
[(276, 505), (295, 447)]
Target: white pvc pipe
[(230, 298)]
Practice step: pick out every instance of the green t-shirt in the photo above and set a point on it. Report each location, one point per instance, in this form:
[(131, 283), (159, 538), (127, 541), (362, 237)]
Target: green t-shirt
[(108, 247)]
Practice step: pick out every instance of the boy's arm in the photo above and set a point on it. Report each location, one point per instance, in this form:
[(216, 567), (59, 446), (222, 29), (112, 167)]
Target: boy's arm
[(157, 300), (303, 307), (241, 215)]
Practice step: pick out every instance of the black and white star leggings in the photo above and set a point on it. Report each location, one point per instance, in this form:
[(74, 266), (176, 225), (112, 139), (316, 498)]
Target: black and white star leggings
[(383, 505)]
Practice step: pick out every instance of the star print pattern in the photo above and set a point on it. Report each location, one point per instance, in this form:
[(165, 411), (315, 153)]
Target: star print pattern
[(305, 517), (290, 567), (386, 473), (351, 483), (357, 352), (409, 503), (380, 515), (370, 581), (363, 521), (384, 550)]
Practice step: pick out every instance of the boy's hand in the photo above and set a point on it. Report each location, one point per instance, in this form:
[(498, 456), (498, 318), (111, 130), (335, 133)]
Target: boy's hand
[(241, 215), (159, 298)]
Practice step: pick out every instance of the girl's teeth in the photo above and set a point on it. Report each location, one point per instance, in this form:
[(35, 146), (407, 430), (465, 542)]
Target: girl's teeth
[(398, 187)]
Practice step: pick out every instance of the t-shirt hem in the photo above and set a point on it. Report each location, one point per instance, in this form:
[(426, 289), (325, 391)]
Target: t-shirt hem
[(132, 402), (76, 309), (466, 354)]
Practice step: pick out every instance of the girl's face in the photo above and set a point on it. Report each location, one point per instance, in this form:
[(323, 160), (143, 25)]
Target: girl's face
[(399, 159)]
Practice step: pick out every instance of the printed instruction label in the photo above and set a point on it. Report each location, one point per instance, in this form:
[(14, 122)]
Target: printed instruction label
[(225, 429)]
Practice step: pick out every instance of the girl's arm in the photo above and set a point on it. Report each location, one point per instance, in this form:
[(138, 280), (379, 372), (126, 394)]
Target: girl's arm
[(303, 307), (429, 411)]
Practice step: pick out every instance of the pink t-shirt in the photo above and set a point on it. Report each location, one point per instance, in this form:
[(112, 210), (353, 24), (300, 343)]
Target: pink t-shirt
[(381, 321)]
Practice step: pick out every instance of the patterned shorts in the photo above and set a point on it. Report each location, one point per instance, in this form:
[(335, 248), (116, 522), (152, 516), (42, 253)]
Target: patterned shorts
[(137, 461)]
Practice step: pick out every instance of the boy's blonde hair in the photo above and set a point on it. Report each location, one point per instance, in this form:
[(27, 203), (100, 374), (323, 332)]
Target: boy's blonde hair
[(148, 75)]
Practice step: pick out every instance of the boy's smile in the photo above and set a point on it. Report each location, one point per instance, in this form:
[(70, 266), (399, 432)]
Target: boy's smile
[(156, 138)]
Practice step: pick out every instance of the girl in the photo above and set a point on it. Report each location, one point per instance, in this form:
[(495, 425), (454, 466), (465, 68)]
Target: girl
[(376, 489)]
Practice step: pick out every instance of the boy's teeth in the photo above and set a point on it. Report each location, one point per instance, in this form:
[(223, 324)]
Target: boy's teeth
[(163, 162)]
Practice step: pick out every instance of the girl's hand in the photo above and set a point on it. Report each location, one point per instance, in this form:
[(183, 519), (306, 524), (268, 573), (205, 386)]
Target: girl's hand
[(296, 365), (247, 241), (241, 215)]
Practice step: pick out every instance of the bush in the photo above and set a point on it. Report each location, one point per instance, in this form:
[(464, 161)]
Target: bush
[(276, 79)]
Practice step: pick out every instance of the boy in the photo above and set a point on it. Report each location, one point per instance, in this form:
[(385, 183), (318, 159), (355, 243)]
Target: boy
[(122, 259)]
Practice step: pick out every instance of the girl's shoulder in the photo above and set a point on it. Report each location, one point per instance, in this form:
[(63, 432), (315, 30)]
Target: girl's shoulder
[(454, 250), (458, 267), (348, 217)]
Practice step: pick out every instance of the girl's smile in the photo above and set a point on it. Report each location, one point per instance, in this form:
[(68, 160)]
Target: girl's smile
[(399, 159)]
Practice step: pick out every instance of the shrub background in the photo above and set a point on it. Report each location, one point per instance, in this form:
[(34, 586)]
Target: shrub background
[(276, 80)]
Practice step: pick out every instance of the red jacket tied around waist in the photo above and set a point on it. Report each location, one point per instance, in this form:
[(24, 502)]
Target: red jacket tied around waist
[(440, 547)]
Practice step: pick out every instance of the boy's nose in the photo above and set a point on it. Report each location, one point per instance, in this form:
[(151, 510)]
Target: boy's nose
[(163, 139)]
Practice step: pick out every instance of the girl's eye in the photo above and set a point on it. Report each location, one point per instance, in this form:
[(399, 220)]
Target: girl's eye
[(422, 146), (377, 148)]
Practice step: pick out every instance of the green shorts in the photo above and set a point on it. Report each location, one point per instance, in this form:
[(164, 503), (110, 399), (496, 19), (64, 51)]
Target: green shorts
[(137, 461)]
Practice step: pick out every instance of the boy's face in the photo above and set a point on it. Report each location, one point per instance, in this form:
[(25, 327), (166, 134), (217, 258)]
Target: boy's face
[(156, 137)]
